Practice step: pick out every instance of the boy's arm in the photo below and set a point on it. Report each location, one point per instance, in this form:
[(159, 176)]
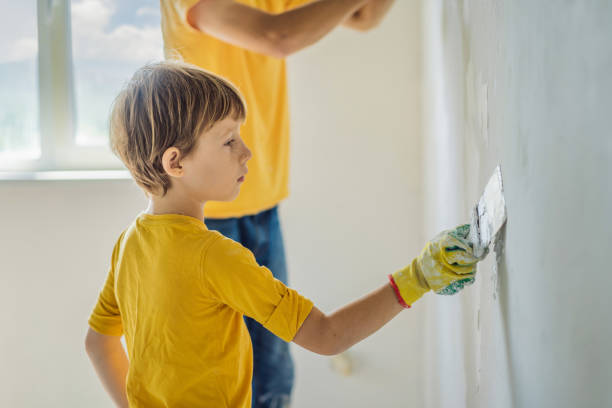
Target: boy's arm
[(277, 35), (368, 16), (110, 361), (446, 265), (329, 335)]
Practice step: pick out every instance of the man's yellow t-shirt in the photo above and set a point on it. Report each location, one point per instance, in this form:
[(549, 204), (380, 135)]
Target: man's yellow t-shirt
[(262, 81), (178, 292)]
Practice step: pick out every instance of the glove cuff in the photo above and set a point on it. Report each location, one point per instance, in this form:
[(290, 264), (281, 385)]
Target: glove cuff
[(409, 283), (398, 295)]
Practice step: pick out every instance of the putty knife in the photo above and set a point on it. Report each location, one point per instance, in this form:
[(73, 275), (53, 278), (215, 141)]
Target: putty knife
[(488, 215)]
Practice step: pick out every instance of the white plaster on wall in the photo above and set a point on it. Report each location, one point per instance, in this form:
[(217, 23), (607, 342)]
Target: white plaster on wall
[(477, 114)]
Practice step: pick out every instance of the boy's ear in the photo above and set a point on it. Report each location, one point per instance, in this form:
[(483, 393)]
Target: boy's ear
[(171, 162)]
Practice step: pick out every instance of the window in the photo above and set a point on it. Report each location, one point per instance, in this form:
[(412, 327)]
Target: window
[(19, 134), (61, 65)]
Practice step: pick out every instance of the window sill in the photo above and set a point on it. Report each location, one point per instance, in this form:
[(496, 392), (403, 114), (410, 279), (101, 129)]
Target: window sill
[(64, 175)]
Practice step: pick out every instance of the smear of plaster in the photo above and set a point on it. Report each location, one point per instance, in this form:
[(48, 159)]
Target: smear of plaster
[(478, 347), (498, 249), (477, 101), (498, 244), (483, 109)]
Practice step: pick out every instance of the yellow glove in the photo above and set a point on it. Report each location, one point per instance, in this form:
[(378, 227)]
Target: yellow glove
[(446, 265)]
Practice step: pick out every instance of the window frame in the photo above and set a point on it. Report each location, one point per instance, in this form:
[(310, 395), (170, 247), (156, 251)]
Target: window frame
[(59, 152)]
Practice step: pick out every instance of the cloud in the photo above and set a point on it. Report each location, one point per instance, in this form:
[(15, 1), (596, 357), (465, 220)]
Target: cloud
[(148, 11), (18, 41), (93, 38), (22, 49), (91, 16)]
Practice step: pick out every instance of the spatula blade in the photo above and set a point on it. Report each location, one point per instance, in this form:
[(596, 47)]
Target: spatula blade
[(488, 215)]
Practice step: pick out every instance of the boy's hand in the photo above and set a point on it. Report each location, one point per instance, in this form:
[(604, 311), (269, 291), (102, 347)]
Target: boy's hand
[(446, 265)]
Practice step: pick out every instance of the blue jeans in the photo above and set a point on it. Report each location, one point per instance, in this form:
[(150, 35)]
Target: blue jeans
[(273, 371)]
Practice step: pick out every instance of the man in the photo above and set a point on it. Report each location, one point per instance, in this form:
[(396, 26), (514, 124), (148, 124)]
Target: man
[(246, 42)]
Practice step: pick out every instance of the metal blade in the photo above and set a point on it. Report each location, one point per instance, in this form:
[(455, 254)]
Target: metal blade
[(488, 215)]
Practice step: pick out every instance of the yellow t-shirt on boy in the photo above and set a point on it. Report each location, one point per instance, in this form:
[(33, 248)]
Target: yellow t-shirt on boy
[(262, 81), (178, 292)]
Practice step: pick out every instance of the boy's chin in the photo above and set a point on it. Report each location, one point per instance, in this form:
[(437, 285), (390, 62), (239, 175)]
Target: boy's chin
[(231, 196), (228, 199)]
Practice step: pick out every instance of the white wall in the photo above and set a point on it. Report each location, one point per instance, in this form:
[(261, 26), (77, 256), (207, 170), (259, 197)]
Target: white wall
[(354, 216), (525, 84), (355, 211), (55, 245)]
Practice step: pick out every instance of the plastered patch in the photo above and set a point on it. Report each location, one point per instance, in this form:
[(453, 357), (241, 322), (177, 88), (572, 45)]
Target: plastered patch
[(477, 105)]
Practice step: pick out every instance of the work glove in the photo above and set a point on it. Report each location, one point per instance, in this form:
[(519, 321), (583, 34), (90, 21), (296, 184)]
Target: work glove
[(446, 265)]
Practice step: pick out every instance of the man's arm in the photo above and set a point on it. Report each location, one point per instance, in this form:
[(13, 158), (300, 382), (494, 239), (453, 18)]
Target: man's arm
[(108, 358), (277, 35), (368, 16), (329, 335)]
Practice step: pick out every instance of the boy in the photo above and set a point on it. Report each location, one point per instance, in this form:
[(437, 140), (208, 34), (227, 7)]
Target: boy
[(178, 291), (247, 41)]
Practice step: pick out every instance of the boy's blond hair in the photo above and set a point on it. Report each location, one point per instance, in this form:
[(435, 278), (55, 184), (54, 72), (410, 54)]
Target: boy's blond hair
[(167, 104)]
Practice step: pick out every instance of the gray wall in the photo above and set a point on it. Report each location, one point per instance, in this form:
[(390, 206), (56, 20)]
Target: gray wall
[(528, 85)]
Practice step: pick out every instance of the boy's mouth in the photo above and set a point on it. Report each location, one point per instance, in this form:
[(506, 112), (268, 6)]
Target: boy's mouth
[(241, 179)]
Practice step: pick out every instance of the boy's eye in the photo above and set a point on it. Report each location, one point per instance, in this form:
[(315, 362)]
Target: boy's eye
[(229, 142)]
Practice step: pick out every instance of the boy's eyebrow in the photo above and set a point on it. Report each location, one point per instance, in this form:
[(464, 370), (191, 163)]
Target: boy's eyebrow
[(225, 133)]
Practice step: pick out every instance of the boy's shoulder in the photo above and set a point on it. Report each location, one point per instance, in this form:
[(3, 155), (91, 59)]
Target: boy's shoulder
[(169, 232), (221, 245), (224, 251)]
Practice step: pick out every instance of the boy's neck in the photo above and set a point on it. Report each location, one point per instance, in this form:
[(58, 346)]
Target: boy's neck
[(173, 204)]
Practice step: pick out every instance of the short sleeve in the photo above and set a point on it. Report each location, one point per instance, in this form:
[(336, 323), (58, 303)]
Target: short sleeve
[(105, 317), (174, 19), (290, 4), (181, 7), (232, 276)]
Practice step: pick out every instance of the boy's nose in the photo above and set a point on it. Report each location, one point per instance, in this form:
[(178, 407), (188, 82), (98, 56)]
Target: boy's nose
[(246, 156)]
